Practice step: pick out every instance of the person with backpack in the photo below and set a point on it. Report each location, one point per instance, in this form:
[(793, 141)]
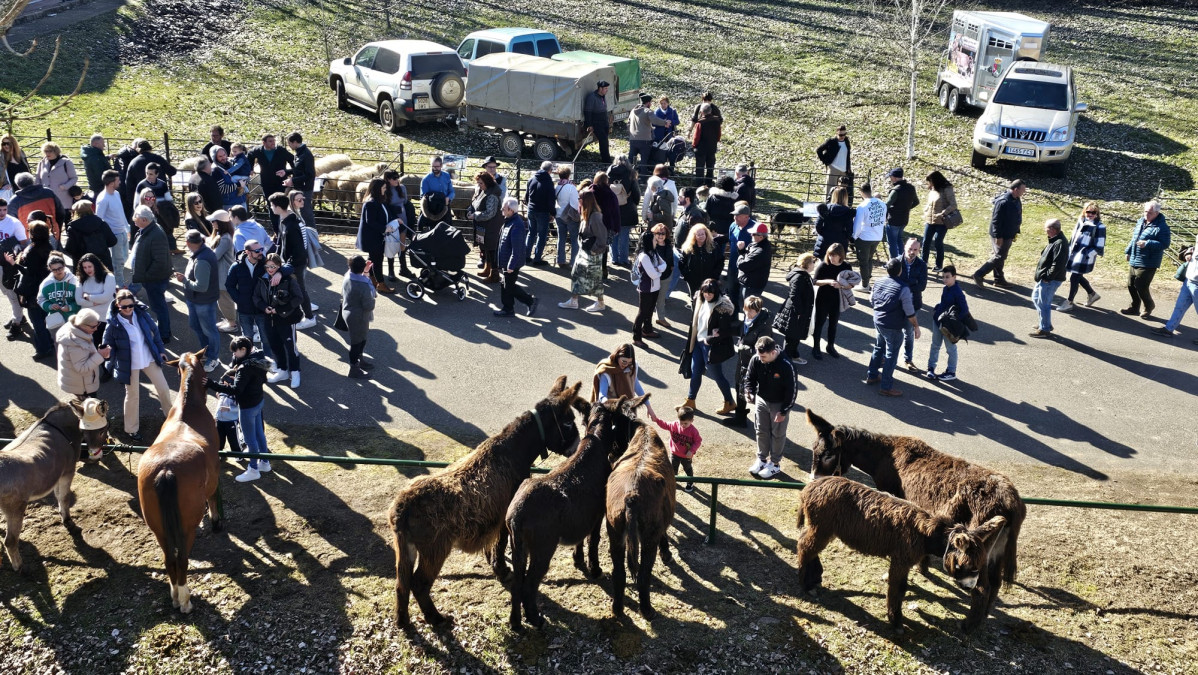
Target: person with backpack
[(567, 217), (541, 198), (951, 296), (706, 128), (88, 233), (628, 195)]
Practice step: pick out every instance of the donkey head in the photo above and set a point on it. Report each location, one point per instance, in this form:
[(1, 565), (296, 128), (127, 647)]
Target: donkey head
[(827, 456), (968, 550), (93, 422), (555, 415), (624, 421)]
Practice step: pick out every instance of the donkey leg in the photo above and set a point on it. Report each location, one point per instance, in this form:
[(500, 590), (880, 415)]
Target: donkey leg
[(977, 610), (594, 570), (580, 561), (66, 499), (895, 592), (497, 559), (405, 559), (644, 577), (422, 584), (615, 541), (666, 557), (538, 566), (811, 570), (14, 516)]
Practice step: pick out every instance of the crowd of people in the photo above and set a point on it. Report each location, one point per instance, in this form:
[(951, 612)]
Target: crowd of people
[(76, 261)]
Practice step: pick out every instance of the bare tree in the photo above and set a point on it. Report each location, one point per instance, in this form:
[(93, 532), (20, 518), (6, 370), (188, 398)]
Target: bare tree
[(9, 112), (910, 25)]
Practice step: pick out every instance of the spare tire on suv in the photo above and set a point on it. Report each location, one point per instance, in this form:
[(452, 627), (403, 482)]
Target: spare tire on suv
[(448, 90)]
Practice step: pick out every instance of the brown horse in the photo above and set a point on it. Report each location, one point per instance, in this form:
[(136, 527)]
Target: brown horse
[(640, 508), (42, 460), (179, 476), (464, 506), (908, 468)]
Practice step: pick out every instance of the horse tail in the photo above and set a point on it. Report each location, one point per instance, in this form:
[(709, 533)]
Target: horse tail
[(166, 486), (632, 531)]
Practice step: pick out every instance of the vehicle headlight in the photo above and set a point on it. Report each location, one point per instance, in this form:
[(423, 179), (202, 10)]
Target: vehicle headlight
[(1059, 134), (991, 127)]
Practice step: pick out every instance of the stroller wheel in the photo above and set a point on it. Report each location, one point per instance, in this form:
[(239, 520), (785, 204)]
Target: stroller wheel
[(415, 290), (460, 292)]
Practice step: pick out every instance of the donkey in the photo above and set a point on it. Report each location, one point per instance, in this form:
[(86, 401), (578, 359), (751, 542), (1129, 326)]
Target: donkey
[(566, 505), (877, 524), (908, 468), (42, 460), (640, 508), (178, 477), (464, 506)]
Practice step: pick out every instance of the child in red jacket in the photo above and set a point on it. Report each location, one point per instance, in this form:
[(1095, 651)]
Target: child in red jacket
[(684, 440)]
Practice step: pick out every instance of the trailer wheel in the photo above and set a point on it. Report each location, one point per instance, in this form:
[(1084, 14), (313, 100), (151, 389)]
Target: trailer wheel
[(545, 149), (954, 100), (460, 293), (942, 94), (511, 144), (978, 161)]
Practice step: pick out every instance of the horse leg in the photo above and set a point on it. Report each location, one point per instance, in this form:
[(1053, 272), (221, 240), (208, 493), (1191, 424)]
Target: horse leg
[(644, 576), (594, 571), (895, 592), (538, 566), (216, 511), (66, 499), (615, 542), (422, 584), (14, 516)]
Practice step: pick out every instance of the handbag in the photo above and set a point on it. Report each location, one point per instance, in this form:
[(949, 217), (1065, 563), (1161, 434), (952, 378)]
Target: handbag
[(339, 323), (953, 219), (684, 365), (54, 320)]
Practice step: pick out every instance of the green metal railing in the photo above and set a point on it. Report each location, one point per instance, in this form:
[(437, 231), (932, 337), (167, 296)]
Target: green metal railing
[(714, 482)]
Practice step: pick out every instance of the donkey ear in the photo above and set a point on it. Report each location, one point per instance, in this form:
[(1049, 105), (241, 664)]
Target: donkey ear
[(634, 403), (77, 407), (990, 529), (818, 423), (572, 392), (558, 385)]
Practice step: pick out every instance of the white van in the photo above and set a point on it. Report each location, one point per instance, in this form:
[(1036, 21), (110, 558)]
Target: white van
[(1032, 117)]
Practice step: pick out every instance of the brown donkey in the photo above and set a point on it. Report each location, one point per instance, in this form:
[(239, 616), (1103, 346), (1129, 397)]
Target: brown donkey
[(640, 508), (877, 524), (178, 478), (566, 505), (464, 506), (908, 468)]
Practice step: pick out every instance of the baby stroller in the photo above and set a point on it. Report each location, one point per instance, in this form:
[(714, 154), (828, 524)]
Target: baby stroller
[(440, 255), (671, 149)]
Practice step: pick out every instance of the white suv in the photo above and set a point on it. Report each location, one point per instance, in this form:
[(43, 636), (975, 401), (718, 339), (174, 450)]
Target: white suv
[(1032, 117), (402, 80)]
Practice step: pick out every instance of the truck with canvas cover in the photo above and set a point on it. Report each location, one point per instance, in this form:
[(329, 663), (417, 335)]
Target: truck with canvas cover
[(530, 98), (627, 84), (981, 46)]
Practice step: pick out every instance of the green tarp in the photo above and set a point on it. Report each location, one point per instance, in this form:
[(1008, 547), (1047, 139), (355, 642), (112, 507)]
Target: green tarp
[(628, 71)]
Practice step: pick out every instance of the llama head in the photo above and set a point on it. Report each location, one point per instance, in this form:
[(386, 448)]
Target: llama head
[(827, 458), (968, 550)]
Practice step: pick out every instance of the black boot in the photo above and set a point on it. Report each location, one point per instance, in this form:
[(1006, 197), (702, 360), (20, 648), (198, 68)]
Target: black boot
[(404, 271), (391, 270)]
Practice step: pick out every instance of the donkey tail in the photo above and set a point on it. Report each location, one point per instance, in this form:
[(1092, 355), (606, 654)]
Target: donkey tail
[(166, 486), (632, 533)]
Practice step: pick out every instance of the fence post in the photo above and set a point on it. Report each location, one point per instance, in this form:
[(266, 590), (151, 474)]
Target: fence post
[(715, 499), (166, 146), (401, 160), (49, 138)]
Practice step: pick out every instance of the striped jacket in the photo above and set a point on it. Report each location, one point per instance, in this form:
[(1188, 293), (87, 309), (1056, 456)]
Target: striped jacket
[(1088, 242)]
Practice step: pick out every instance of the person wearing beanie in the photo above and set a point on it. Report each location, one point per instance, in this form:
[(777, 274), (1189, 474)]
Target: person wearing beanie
[(641, 121)]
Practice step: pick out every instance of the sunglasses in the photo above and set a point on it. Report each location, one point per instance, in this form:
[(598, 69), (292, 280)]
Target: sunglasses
[(254, 250), (1091, 213), (124, 308)]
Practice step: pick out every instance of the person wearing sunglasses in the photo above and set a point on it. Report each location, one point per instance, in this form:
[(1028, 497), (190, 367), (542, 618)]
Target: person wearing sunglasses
[(240, 283), (79, 360), (836, 154), (56, 294), (135, 348), (1088, 242)]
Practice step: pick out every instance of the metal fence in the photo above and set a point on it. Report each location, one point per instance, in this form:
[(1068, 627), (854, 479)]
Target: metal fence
[(1181, 210)]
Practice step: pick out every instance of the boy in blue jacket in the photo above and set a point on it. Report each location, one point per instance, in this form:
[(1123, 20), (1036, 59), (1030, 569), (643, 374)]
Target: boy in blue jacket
[(951, 296)]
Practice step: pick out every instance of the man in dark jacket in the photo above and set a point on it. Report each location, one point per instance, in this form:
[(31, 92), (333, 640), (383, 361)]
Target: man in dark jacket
[(753, 264), (217, 134), (692, 214), (1050, 272), (240, 283), (746, 186), (770, 386), (136, 172), (302, 177), (1005, 222), (208, 186), (88, 233), (511, 259), (893, 310), (740, 235), (273, 163), (898, 210), (124, 157), (1144, 252), (597, 119), (542, 206), (294, 251), (836, 154), (915, 277), (201, 290), (152, 266), (758, 323), (95, 163)]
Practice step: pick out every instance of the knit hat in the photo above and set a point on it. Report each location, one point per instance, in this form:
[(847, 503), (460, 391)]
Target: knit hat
[(601, 84), (645, 98)]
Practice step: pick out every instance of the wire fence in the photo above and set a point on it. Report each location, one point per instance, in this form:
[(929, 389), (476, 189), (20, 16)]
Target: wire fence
[(1181, 210)]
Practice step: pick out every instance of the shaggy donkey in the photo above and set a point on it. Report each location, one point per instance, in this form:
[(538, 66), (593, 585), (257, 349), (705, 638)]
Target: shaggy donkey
[(908, 468), (877, 524), (640, 508), (566, 505), (464, 506)]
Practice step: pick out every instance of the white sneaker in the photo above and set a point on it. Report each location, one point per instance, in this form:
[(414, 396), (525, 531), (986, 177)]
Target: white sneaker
[(1066, 306), (769, 471), (595, 308), (569, 304), (1094, 297), (225, 327), (278, 376), (757, 467), (211, 365), (263, 466), (257, 335), (306, 323), (295, 379), (315, 307), (249, 475)]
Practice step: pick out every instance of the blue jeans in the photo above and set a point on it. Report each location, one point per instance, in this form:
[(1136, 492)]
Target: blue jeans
[(1042, 299), (715, 371), (674, 278), (885, 355), (254, 431), (934, 354), (894, 240), (156, 299), (933, 237), (567, 236), (909, 341), (43, 341), (202, 319), (248, 322), (619, 246), (1184, 299), (538, 234)]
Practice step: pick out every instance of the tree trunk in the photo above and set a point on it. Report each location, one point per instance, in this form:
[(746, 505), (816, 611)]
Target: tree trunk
[(911, 112)]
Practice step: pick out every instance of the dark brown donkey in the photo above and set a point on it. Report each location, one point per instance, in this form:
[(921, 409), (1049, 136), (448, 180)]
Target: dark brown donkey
[(640, 508), (566, 505), (908, 468), (42, 460), (465, 505), (178, 477), (877, 524)]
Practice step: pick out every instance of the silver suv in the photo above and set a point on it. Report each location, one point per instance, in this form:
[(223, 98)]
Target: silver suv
[(1032, 117), (402, 80)]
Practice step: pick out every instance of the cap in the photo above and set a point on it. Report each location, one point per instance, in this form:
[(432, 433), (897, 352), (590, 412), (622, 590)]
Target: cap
[(645, 98), (742, 210), (490, 160), (601, 84), (895, 173), (221, 215), (95, 414), (195, 237), (760, 228)]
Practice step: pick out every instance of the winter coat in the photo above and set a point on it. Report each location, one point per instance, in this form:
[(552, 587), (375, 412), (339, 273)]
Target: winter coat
[(828, 150), (241, 283), (1088, 242), (1155, 235), (939, 203), (1006, 220), (303, 172), (488, 215), (33, 266), (609, 206), (285, 298), (210, 188), (225, 258), (95, 163), (746, 190), (623, 175), (951, 296), (700, 265), (357, 307), (746, 343), (723, 319), (58, 177), (268, 167), (36, 198), (848, 280), (915, 277), (200, 285), (117, 337), (738, 235), (692, 215), (540, 195), (89, 234), (1054, 260), (292, 248), (753, 264), (669, 114), (833, 226), (641, 123), (794, 317), (373, 226), (719, 207), (249, 378), (78, 361), (594, 113), (512, 251), (151, 256), (899, 204), (594, 231)]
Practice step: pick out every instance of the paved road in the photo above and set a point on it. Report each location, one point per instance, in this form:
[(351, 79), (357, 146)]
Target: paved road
[(1102, 398)]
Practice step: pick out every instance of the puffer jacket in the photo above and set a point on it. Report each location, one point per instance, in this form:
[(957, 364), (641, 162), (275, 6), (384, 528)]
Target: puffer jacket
[(90, 234), (78, 361), (794, 317), (249, 376), (115, 336), (723, 319), (1156, 237), (285, 298)]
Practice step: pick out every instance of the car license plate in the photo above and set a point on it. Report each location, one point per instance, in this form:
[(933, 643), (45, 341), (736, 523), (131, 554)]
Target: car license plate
[(1022, 152), (423, 103)]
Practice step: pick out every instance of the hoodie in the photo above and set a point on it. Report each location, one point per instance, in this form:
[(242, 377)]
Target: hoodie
[(54, 292), (248, 379)]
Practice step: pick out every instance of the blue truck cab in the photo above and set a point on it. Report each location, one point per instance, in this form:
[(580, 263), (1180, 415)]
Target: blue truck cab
[(518, 40)]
